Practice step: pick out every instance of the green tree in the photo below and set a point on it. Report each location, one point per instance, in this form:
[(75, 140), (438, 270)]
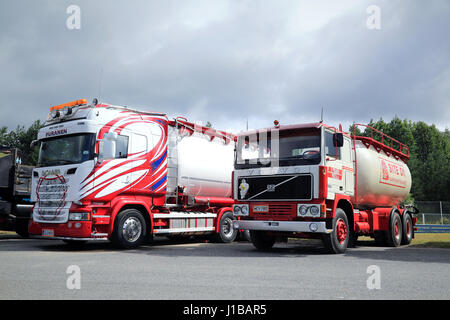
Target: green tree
[(21, 139), (429, 155)]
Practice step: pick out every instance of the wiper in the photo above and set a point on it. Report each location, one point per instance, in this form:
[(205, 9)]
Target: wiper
[(295, 157), (57, 161)]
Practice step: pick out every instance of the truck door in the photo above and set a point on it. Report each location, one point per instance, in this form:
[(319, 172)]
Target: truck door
[(138, 155), (114, 175), (334, 165)]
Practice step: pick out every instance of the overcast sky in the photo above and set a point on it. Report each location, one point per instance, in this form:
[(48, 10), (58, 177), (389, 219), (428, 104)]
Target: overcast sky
[(229, 61)]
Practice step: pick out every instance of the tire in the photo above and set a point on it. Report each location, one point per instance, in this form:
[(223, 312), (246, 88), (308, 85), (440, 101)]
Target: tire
[(261, 240), (380, 238), (352, 242), (337, 241), (394, 234), (407, 229), (245, 235), (130, 229), (22, 227), (227, 233)]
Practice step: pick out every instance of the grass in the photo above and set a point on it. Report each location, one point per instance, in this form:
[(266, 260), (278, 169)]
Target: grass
[(4, 233), (425, 240), (431, 240)]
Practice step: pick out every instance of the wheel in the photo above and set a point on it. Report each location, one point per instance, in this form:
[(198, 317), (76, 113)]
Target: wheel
[(227, 233), (129, 229), (407, 229), (394, 234), (380, 238), (261, 240), (337, 240), (245, 235), (353, 240), (22, 227)]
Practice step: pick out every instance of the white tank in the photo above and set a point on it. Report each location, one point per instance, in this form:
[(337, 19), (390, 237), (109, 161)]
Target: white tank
[(382, 180), (200, 166)]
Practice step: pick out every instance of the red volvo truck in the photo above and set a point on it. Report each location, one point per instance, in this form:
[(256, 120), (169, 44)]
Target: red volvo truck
[(109, 172), (316, 181)]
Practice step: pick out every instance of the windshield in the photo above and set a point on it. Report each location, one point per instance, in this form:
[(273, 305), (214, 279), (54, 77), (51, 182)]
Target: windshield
[(66, 150), (289, 149)]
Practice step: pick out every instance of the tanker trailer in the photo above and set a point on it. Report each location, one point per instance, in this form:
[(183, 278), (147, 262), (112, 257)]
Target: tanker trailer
[(383, 178)]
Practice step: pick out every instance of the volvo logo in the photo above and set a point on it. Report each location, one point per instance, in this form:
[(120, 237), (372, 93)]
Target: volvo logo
[(271, 188), (243, 188)]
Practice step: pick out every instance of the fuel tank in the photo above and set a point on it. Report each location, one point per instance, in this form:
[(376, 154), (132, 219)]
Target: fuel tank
[(382, 180)]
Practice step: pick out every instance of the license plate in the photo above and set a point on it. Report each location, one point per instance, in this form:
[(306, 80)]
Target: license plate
[(48, 233), (260, 209)]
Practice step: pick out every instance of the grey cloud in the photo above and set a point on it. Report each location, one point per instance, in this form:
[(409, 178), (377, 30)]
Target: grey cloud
[(226, 61)]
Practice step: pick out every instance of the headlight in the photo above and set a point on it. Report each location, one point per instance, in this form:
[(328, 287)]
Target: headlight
[(314, 210), (313, 227), (54, 113), (303, 210), (240, 210), (66, 111), (308, 210), (78, 216)]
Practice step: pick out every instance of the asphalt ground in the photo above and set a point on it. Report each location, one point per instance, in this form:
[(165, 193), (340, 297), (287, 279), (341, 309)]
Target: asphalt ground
[(194, 269)]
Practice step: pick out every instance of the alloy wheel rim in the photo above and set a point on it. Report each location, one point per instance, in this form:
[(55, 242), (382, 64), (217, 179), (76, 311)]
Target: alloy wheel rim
[(227, 227), (132, 229), (341, 231)]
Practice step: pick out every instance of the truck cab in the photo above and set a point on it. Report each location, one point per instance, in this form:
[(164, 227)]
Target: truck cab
[(15, 189)]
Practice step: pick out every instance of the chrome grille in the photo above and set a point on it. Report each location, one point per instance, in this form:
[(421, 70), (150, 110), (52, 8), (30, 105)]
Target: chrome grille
[(282, 209)]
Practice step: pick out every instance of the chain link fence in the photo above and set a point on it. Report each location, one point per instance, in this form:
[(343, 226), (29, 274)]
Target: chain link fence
[(433, 212)]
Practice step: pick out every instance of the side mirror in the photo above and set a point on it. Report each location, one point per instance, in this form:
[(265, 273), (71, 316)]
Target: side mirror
[(34, 143), (108, 146), (338, 140)]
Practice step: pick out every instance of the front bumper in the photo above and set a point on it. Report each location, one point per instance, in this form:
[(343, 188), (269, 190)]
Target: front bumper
[(68, 238), (72, 230), (283, 226)]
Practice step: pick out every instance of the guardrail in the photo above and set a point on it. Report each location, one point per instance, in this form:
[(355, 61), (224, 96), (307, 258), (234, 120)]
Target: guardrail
[(433, 228)]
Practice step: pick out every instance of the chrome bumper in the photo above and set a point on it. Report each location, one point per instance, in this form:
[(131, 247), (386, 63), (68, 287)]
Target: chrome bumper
[(286, 226)]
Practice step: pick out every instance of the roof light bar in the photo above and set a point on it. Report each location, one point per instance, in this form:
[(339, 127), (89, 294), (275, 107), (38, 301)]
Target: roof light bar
[(69, 104), (65, 109)]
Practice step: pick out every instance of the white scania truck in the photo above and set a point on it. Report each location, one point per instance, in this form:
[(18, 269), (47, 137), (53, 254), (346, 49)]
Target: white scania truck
[(316, 181), (109, 172)]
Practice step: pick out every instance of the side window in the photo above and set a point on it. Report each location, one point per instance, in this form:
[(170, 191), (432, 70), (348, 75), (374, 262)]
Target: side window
[(122, 147), (346, 151), (330, 149)]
